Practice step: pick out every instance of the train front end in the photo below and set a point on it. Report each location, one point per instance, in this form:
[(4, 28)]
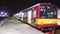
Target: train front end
[(46, 17)]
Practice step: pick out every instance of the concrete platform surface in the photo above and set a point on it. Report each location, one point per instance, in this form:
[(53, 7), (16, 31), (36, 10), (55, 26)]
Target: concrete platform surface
[(17, 27)]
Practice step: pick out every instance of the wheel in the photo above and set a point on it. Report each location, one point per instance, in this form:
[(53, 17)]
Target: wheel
[(44, 30), (54, 31), (50, 29)]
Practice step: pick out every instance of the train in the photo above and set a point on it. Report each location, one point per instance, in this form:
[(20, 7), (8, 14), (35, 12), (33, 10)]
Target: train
[(42, 16)]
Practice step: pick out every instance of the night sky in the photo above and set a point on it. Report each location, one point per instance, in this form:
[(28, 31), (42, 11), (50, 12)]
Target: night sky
[(13, 6)]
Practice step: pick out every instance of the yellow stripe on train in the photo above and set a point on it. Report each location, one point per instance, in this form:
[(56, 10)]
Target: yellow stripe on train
[(46, 21)]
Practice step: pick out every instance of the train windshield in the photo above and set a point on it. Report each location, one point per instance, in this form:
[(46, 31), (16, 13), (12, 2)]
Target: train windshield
[(47, 11)]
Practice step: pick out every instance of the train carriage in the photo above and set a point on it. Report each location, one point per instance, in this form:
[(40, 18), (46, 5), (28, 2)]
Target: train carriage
[(42, 16)]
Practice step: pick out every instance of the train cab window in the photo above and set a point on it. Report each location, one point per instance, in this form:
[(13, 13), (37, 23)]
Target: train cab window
[(42, 12), (51, 12), (48, 11)]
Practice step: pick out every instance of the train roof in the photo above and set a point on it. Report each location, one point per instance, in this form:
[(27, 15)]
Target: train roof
[(32, 6), (37, 5)]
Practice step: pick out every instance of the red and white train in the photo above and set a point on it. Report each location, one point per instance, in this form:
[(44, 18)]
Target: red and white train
[(43, 16)]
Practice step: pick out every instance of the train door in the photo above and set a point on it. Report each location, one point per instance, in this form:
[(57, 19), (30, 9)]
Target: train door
[(58, 13), (34, 17), (29, 16)]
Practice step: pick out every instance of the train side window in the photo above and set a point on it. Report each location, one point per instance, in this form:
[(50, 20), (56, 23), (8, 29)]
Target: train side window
[(34, 13), (25, 14)]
